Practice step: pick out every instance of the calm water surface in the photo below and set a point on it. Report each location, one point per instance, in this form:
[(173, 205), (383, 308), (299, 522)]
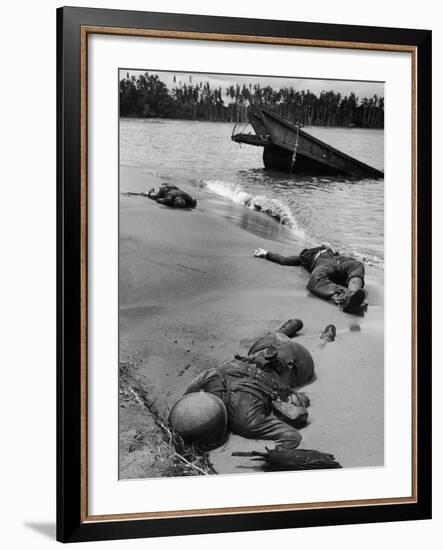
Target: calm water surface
[(347, 214)]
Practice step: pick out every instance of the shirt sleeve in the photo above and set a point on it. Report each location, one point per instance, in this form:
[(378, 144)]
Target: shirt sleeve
[(283, 260)]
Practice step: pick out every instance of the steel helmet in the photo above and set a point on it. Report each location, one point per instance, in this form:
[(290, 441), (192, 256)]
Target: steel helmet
[(200, 417), (288, 352)]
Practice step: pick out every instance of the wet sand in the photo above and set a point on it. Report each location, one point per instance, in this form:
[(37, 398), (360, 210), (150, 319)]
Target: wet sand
[(192, 294)]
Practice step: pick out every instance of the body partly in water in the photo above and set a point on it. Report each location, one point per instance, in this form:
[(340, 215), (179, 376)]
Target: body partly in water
[(344, 213)]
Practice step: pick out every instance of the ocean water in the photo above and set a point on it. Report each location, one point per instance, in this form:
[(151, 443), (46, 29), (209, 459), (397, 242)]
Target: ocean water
[(346, 214)]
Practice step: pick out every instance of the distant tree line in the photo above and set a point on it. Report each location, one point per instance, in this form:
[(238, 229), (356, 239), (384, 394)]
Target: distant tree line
[(146, 96)]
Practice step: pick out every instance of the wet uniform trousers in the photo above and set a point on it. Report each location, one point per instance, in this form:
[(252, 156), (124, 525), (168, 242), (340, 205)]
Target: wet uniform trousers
[(247, 393), (330, 273)]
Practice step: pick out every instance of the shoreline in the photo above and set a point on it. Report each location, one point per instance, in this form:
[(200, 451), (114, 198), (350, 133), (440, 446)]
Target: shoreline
[(190, 298), (172, 119)]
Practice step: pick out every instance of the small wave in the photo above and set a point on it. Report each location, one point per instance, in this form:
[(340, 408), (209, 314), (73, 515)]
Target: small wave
[(368, 259), (272, 207), (281, 212), (365, 257)]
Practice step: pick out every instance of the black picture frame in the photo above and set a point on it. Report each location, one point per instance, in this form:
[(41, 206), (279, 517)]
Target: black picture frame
[(72, 525)]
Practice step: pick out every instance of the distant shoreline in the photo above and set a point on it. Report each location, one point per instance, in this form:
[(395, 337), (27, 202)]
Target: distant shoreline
[(136, 117), (148, 97)]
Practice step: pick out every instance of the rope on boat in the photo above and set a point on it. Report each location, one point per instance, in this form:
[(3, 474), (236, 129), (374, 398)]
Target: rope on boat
[(242, 127), (294, 154)]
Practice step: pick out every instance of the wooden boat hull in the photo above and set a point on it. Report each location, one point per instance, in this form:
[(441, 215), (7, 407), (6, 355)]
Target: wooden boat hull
[(313, 156)]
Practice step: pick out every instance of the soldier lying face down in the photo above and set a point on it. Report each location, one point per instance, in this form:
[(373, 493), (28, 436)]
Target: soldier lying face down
[(333, 276), (173, 196), (258, 390)]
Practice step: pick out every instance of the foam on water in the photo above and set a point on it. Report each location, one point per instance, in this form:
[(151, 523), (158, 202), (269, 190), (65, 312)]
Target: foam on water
[(368, 259), (272, 207), (200, 155), (281, 212)]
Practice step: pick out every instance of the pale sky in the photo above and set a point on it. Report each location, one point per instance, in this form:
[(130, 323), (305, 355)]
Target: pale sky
[(344, 87)]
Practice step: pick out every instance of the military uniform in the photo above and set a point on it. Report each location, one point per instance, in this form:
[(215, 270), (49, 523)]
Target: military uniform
[(168, 195), (247, 391), (330, 271)]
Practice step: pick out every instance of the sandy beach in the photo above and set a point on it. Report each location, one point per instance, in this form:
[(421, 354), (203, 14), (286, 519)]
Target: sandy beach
[(192, 294)]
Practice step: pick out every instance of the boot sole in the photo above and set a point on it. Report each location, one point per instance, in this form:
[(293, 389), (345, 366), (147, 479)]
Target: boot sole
[(355, 301)]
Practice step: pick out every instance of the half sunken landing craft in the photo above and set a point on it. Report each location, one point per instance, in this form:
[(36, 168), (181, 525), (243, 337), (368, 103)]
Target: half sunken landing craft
[(288, 148)]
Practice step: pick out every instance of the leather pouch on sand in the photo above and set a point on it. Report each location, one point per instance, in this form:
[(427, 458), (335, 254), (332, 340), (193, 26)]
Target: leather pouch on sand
[(290, 413)]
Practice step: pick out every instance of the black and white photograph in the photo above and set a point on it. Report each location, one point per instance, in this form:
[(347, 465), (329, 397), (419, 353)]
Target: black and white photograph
[(251, 273), (217, 284)]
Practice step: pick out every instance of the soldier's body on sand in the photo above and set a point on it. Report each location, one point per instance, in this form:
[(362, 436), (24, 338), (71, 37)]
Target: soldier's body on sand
[(173, 196), (333, 276)]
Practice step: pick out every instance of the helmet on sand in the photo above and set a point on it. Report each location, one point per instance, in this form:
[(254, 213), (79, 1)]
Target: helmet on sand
[(200, 417), (289, 353)]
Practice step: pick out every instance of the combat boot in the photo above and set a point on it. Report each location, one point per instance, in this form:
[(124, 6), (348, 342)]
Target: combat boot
[(353, 302), (291, 327)]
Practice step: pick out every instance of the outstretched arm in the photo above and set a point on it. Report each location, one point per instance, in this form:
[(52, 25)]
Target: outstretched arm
[(277, 258)]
